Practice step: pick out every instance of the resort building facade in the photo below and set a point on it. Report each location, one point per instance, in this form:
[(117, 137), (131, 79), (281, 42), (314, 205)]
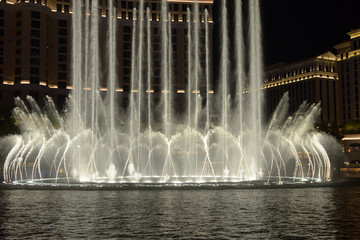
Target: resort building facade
[(313, 80), (348, 65), (36, 45)]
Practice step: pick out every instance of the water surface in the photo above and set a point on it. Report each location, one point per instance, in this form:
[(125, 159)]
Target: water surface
[(306, 213)]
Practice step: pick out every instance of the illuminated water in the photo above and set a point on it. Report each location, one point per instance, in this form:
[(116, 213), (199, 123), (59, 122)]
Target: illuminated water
[(149, 141), (306, 213)]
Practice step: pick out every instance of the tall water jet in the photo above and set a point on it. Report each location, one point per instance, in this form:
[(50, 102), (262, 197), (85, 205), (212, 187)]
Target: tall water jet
[(149, 69), (112, 79), (239, 60), (224, 60), (165, 84), (76, 71), (207, 71), (240, 77), (189, 67), (95, 66), (169, 86), (149, 91), (189, 88), (196, 76), (164, 71), (197, 67), (140, 52), (133, 121), (256, 76), (86, 71)]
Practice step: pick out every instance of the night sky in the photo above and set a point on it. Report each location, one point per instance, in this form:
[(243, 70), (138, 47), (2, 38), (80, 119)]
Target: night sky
[(299, 29)]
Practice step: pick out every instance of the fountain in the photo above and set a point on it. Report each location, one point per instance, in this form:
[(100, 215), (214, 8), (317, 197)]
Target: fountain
[(99, 142)]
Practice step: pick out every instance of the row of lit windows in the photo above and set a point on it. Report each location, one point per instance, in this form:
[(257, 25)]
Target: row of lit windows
[(153, 6), (302, 70), (33, 1), (347, 55), (154, 16)]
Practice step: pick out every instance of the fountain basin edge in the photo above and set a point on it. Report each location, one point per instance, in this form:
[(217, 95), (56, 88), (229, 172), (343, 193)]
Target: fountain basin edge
[(256, 184)]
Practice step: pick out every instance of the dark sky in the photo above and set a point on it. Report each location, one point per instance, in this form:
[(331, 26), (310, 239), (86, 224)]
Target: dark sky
[(299, 29)]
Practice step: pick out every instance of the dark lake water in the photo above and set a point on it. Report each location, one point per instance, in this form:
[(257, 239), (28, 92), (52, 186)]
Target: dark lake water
[(305, 213)]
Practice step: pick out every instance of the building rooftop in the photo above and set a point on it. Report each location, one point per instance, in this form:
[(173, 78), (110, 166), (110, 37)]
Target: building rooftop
[(354, 33)]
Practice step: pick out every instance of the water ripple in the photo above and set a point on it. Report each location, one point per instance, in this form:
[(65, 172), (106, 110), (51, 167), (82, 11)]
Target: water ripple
[(321, 213)]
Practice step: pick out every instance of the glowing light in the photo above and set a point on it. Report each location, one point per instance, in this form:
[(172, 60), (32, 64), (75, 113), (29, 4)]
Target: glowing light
[(353, 137), (25, 81)]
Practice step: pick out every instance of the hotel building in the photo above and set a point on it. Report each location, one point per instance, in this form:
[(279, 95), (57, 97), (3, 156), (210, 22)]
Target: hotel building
[(312, 80), (348, 65), (35, 45)]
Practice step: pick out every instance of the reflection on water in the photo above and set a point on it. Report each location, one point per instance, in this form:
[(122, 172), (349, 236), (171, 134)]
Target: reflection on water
[(321, 213)]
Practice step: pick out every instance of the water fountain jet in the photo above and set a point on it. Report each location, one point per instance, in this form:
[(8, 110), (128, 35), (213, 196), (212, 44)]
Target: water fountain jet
[(238, 149)]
